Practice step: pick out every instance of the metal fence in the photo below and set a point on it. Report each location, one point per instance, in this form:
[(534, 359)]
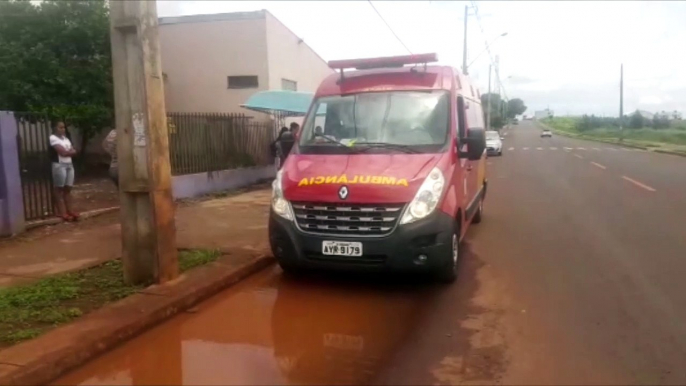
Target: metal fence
[(206, 142), (33, 133), (197, 143)]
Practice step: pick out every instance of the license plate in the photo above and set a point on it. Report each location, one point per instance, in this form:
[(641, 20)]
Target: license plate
[(341, 248), (344, 342)]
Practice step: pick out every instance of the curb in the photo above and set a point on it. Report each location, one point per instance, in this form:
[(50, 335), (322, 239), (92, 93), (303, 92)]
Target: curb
[(57, 220), (41, 360), (670, 152)]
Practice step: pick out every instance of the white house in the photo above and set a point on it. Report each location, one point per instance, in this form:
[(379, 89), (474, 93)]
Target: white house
[(213, 63)]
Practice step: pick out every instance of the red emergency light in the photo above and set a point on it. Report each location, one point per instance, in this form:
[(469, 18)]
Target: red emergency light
[(383, 62)]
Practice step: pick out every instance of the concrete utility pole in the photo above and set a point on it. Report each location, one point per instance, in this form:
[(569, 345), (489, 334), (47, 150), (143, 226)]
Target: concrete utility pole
[(497, 74), (621, 101), (488, 101), (147, 206), (464, 52)]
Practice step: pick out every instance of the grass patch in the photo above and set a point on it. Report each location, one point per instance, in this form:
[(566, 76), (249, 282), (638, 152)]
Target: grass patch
[(648, 137), (196, 257), (30, 310)]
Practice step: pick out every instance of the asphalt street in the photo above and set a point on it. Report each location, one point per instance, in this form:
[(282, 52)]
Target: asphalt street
[(575, 276)]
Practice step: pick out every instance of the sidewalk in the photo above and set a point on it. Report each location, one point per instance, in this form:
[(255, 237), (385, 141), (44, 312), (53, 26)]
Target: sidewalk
[(236, 224)]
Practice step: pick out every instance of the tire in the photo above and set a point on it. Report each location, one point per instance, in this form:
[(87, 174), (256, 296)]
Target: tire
[(500, 153), (479, 213), (448, 273), (290, 269)]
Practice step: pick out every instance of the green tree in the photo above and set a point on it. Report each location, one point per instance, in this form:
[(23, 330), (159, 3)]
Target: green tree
[(496, 107), (500, 110), (55, 58), (515, 107), (661, 121), (636, 121)]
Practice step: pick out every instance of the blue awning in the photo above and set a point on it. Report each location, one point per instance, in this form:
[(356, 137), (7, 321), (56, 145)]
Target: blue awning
[(279, 102)]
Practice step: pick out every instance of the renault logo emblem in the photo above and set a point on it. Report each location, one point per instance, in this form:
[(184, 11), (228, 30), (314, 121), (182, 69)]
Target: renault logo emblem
[(343, 192)]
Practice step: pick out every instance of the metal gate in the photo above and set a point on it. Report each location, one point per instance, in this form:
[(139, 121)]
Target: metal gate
[(33, 140)]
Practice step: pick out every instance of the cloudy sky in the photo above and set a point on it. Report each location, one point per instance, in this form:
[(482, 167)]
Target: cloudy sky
[(562, 55)]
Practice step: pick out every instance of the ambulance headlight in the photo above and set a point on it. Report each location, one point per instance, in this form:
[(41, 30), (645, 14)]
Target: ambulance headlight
[(426, 199), (280, 205)]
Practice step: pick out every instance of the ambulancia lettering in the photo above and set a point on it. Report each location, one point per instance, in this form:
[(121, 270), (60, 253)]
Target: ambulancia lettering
[(357, 179)]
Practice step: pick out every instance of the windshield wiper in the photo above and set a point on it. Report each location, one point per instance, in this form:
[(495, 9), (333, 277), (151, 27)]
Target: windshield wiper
[(359, 147), (331, 140), (364, 146)]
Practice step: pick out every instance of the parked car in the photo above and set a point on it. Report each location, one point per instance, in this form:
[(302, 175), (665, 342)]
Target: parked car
[(546, 133), (494, 143)]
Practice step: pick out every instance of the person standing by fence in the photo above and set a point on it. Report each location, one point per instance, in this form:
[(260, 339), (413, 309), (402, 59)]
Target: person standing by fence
[(110, 146), (61, 153)]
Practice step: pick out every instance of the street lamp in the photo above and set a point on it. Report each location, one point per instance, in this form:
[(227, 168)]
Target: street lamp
[(487, 47)]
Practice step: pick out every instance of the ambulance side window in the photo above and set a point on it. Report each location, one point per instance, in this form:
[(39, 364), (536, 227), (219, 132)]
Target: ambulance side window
[(461, 129), (475, 116)]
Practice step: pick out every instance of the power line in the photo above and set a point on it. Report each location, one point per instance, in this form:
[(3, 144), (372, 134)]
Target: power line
[(488, 48), (389, 27)]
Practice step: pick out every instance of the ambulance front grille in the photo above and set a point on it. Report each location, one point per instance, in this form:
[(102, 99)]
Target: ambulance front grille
[(347, 219)]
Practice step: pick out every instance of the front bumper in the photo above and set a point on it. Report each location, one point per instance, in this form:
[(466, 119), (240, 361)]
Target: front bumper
[(490, 150), (397, 251)]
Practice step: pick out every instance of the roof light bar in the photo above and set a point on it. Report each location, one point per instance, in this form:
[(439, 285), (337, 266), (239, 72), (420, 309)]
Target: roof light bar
[(388, 61)]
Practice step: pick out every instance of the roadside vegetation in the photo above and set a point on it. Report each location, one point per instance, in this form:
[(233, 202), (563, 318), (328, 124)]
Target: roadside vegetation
[(658, 132), (502, 111), (33, 309)]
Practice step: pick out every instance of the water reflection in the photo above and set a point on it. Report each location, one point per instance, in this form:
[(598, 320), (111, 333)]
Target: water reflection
[(270, 330)]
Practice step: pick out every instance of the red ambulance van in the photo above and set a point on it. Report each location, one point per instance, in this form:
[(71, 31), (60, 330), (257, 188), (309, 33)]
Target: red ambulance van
[(388, 170)]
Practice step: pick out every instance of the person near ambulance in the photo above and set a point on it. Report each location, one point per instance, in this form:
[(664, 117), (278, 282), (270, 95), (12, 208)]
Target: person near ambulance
[(395, 180), (61, 152)]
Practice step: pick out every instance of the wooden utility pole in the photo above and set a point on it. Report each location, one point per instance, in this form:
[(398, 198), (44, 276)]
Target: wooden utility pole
[(147, 206)]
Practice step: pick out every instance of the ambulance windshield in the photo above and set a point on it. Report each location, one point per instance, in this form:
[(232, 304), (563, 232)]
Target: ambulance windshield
[(412, 119)]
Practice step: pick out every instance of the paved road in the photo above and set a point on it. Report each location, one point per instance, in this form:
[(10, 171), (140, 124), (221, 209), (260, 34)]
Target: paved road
[(576, 276)]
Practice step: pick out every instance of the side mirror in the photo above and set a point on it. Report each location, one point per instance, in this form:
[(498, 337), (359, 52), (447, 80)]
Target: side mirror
[(476, 145)]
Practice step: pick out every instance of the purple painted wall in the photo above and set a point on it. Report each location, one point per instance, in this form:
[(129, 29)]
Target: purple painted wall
[(11, 202), (193, 185)]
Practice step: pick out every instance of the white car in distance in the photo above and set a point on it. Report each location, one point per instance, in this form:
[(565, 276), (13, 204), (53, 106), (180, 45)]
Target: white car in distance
[(494, 143)]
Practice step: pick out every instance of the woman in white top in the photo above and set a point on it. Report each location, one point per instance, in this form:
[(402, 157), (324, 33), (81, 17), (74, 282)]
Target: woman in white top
[(61, 151)]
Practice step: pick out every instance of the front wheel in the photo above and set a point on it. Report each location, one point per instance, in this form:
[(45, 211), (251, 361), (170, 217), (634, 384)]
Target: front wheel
[(289, 268), (448, 273)]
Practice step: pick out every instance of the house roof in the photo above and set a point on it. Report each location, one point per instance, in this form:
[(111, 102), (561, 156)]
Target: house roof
[(213, 17)]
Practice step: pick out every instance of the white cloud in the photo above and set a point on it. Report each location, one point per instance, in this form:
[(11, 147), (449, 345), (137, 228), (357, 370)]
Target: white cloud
[(562, 54), (650, 100)]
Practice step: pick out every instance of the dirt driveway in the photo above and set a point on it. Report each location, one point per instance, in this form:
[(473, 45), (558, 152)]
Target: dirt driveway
[(234, 224)]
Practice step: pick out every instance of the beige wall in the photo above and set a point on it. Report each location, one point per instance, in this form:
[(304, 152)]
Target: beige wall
[(197, 58), (289, 59)]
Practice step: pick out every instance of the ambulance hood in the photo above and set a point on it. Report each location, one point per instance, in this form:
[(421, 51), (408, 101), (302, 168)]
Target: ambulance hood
[(370, 178)]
